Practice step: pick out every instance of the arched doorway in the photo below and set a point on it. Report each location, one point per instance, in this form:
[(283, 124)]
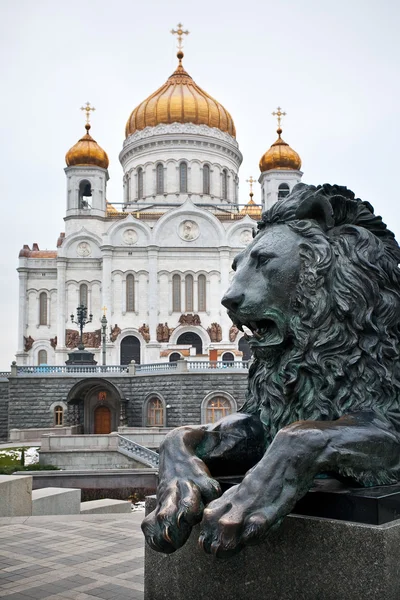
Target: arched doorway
[(102, 420), (192, 339), (228, 357), (245, 348), (174, 357), (130, 350)]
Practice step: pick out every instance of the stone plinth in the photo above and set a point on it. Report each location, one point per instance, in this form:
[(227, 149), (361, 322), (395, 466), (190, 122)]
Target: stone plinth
[(15, 496), (56, 501), (307, 558), (106, 506)]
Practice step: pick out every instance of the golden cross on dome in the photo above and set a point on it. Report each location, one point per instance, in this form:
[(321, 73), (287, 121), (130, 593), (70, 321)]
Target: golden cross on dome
[(279, 114), (87, 108), (251, 181), (104, 309), (179, 32)]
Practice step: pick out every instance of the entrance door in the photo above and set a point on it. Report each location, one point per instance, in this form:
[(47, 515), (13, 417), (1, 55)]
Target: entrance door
[(130, 350), (102, 420)]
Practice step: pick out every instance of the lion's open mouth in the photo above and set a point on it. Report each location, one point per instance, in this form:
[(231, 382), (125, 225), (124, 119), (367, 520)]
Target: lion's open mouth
[(269, 331)]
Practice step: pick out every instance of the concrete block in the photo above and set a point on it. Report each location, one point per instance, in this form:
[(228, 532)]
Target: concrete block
[(15, 496), (56, 501), (106, 506)]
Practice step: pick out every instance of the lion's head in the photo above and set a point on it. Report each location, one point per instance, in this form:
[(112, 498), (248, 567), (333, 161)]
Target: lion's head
[(319, 290)]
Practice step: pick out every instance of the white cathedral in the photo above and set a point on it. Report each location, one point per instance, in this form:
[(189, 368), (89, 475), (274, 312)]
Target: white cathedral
[(158, 262)]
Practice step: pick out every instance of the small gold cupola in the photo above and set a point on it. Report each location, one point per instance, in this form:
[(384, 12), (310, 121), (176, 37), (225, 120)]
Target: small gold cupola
[(280, 155), (87, 152)]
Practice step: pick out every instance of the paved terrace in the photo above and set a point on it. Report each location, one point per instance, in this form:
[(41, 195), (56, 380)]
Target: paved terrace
[(74, 557)]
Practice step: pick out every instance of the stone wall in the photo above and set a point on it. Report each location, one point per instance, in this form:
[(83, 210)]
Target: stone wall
[(31, 397), (3, 409)]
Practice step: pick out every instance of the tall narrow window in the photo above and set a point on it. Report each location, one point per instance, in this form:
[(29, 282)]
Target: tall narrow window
[(83, 294), (206, 179), (283, 190), (43, 309), (189, 293), (140, 183), (160, 179), (201, 290), (224, 184), (176, 293), (183, 176), (155, 413), (42, 357), (130, 293), (58, 416), (217, 408)]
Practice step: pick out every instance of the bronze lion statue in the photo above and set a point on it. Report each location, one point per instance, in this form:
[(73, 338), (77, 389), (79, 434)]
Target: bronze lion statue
[(319, 290)]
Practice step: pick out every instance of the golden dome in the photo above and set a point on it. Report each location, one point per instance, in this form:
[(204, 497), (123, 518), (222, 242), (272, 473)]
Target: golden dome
[(86, 152), (180, 100), (280, 156), (252, 209)]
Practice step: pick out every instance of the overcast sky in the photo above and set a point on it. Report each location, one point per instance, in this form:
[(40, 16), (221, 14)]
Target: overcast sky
[(332, 66)]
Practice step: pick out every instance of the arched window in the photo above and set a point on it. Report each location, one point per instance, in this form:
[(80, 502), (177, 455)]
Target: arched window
[(155, 413), (201, 292), (140, 182), (160, 179), (43, 309), (176, 293), (42, 357), (228, 357), (174, 357), (217, 408), (58, 416), (130, 293), (224, 184), (130, 350), (206, 179), (85, 194), (189, 293), (192, 339), (83, 294), (183, 177), (283, 190)]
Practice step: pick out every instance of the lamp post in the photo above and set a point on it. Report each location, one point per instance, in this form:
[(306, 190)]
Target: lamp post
[(82, 319), (103, 335)]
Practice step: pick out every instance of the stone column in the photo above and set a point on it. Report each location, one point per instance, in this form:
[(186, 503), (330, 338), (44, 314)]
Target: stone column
[(23, 301), (106, 279), (61, 301), (224, 262), (152, 292)]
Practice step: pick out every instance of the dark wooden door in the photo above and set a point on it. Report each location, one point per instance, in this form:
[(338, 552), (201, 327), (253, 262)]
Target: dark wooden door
[(102, 420), (130, 350)]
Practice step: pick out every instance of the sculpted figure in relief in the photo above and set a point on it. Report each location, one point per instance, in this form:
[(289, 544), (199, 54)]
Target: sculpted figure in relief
[(145, 331), (115, 331), (28, 343), (318, 293)]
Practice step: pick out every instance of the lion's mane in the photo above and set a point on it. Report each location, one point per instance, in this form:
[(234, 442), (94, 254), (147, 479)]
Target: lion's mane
[(342, 352)]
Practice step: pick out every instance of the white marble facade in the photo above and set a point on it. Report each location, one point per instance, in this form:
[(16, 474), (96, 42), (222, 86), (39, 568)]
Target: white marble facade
[(132, 259)]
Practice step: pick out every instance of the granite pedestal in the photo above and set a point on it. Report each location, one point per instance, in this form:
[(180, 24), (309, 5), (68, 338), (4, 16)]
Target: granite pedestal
[(307, 558)]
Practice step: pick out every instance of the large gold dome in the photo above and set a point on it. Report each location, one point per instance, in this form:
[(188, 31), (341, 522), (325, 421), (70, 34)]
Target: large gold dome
[(280, 156), (87, 152), (180, 100)]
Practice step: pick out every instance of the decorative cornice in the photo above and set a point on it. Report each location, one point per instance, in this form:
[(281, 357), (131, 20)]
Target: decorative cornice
[(185, 128)]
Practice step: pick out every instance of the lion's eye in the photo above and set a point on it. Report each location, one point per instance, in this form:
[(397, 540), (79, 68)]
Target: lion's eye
[(262, 260)]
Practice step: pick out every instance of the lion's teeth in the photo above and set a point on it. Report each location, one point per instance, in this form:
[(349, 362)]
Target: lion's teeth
[(247, 330), (256, 334), (239, 326)]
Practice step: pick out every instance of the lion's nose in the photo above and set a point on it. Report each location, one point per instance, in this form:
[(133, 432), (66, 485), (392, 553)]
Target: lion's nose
[(232, 301)]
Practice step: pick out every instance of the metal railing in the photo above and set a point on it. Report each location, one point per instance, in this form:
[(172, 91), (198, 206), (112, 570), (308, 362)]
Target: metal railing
[(137, 452)]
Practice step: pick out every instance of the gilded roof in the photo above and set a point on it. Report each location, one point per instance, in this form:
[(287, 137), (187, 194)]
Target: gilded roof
[(87, 152), (280, 156), (180, 100), (252, 209)]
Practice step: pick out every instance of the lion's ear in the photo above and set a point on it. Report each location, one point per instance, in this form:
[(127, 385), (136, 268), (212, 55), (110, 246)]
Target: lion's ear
[(317, 208)]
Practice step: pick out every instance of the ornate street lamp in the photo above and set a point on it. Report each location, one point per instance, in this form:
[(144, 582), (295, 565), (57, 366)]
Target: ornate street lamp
[(81, 320), (103, 334)]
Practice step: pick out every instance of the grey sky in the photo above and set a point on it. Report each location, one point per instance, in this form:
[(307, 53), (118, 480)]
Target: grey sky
[(332, 66)]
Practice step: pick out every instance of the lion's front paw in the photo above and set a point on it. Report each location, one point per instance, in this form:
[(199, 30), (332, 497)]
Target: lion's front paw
[(180, 507), (230, 522)]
